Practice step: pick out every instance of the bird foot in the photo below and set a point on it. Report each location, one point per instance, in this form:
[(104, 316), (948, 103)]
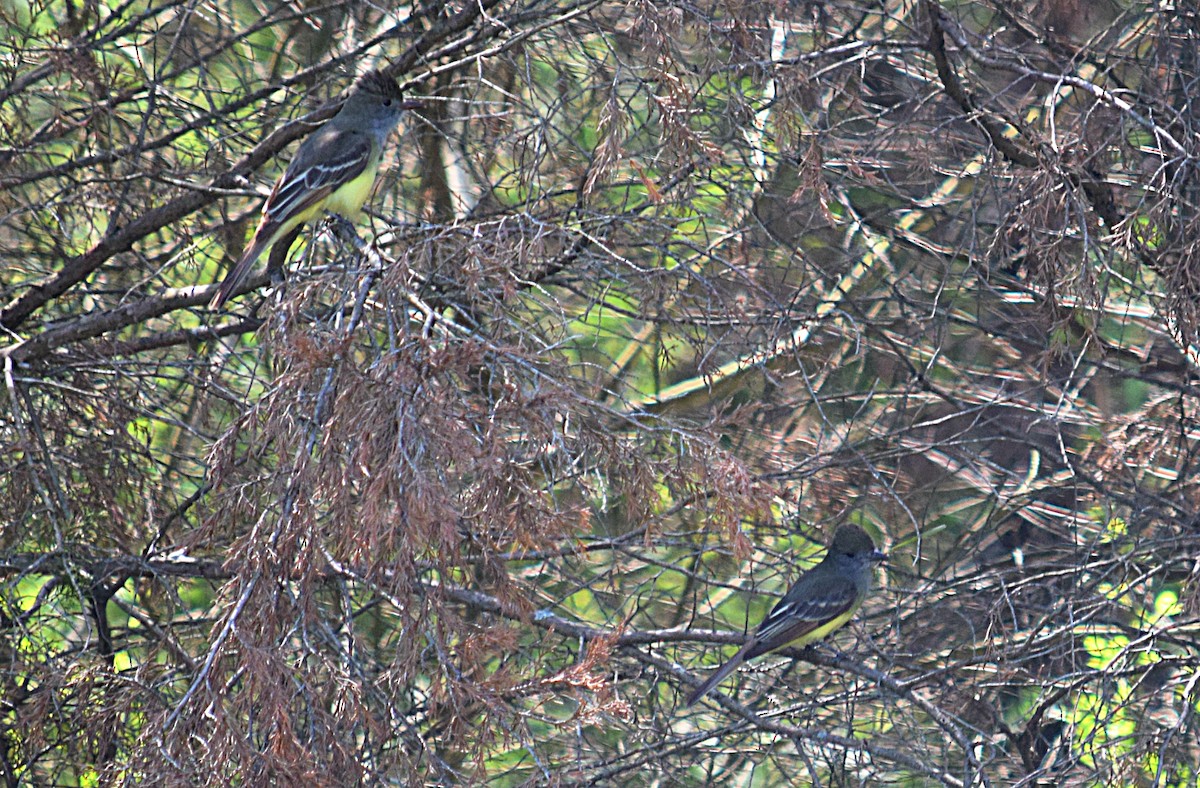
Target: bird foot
[(344, 230), (828, 650), (277, 275)]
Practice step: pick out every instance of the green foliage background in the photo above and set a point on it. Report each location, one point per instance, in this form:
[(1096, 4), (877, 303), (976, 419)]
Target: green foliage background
[(654, 296)]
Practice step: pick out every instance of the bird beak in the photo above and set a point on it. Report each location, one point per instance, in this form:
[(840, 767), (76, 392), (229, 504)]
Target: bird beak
[(411, 104), (879, 556)]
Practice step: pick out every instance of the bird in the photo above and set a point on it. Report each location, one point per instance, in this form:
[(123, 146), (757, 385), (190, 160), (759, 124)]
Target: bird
[(333, 170), (820, 601)]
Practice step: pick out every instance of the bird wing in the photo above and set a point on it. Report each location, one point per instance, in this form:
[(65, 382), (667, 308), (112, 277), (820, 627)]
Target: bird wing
[(323, 162), (810, 603), (328, 159)]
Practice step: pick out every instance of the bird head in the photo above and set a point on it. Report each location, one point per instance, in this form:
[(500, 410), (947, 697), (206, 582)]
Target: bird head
[(853, 540)]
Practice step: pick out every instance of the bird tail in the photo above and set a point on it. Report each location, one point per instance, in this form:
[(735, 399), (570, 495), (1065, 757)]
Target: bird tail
[(717, 677), (241, 270)]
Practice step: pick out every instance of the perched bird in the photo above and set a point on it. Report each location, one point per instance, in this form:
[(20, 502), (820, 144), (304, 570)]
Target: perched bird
[(821, 600), (333, 170)]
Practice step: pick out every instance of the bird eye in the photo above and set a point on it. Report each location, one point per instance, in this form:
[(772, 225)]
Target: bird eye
[(387, 102)]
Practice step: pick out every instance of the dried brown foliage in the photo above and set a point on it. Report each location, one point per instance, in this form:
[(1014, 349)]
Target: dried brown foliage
[(653, 297)]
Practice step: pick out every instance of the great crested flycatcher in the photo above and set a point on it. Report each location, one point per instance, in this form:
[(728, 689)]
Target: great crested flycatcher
[(821, 600), (333, 170)]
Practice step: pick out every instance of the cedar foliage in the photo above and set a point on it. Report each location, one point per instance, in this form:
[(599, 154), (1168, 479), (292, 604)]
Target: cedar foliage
[(652, 297)]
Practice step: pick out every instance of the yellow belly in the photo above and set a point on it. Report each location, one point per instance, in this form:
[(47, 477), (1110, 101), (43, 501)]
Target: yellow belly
[(346, 201), (349, 199)]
